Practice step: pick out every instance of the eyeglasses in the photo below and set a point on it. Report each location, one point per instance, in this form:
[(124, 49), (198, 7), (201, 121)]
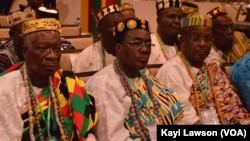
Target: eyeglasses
[(139, 44), (207, 39)]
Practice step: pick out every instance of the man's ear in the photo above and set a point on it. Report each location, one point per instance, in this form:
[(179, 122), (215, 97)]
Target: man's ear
[(24, 51), (118, 48), (181, 41)]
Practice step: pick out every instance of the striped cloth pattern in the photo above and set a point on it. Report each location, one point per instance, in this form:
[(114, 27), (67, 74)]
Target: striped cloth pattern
[(196, 19), (170, 107), (240, 46)]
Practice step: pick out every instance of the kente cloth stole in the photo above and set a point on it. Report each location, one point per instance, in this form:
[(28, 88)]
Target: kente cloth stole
[(77, 106), (240, 46), (81, 102), (12, 68), (170, 108), (220, 93)]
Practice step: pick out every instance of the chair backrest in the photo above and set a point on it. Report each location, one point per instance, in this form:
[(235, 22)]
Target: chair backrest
[(70, 31), (65, 62), (4, 21), (4, 33), (153, 68), (81, 42)]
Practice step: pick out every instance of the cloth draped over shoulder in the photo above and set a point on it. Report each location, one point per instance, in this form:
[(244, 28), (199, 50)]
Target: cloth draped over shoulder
[(170, 107), (114, 124), (76, 103), (221, 95)]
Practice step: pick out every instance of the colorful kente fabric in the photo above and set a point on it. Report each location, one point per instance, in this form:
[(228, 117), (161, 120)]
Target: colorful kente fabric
[(240, 47), (13, 67), (77, 106), (221, 95), (170, 107)]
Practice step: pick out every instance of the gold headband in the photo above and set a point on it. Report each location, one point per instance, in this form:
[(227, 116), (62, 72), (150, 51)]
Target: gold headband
[(41, 24), (20, 17)]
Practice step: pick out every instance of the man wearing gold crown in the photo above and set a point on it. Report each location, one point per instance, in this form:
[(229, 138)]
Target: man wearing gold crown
[(40, 101), (229, 45), (207, 95), (12, 53), (98, 55), (130, 102)]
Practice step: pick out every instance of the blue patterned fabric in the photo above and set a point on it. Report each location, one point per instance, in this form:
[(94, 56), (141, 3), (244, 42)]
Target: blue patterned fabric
[(240, 77)]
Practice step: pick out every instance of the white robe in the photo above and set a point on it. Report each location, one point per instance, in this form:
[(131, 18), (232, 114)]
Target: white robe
[(157, 56), (12, 102), (112, 104), (174, 75), (90, 59)]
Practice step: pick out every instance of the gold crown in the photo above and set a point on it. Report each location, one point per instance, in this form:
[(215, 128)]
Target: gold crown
[(106, 11), (196, 19), (126, 6), (162, 4), (189, 8), (41, 24), (20, 17)]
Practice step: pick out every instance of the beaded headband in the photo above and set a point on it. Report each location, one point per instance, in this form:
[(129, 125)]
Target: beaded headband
[(20, 17), (106, 11), (162, 4), (196, 19), (217, 11), (41, 24), (126, 6), (130, 24), (189, 8)]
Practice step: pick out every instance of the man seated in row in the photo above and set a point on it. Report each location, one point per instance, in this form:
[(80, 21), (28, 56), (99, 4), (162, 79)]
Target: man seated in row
[(40, 101), (228, 45), (130, 102), (98, 55), (207, 95)]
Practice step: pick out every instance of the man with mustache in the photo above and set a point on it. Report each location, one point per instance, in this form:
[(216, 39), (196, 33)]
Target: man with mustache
[(130, 102)]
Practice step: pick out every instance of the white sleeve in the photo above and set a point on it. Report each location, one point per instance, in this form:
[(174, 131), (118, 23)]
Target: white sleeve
[(175, 77)]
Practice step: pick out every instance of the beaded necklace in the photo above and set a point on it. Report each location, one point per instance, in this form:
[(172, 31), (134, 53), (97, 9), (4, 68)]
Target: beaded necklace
[(32, 106), (164, 50), (135, 113), (195, 88)]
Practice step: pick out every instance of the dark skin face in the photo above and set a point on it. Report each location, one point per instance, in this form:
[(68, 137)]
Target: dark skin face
[(34, 4), (106, 29), (17, 38), (131, 57), (223, 32), (196, 44), (42, 52), (169, 24)]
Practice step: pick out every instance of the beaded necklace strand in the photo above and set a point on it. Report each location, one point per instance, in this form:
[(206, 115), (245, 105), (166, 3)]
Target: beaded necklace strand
[(32, 105), (164, 50), (135, 113), (195, 88)]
